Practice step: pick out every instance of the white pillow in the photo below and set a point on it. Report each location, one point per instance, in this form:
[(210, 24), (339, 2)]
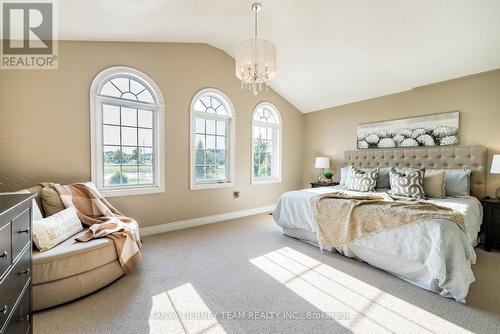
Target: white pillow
[(53, 230), (37, 214), (344, 175)]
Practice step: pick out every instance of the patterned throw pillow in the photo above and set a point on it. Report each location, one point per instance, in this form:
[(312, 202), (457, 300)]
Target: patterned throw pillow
[(362, 179), (407, 182)]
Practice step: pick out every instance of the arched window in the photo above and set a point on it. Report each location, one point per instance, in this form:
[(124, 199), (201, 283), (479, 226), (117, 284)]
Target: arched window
[(127, 133), (266, 144), (212, 140)]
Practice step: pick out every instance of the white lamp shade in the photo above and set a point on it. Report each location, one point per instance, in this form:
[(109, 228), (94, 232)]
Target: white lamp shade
[(322, 162), (495, 164)]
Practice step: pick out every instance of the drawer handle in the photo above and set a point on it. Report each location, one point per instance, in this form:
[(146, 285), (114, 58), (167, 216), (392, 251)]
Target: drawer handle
[(4, 310), (24, 272), (25, 318), (4, 255), (24, 231)]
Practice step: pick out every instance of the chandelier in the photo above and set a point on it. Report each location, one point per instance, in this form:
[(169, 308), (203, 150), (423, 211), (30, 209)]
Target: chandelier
[(255, 60)]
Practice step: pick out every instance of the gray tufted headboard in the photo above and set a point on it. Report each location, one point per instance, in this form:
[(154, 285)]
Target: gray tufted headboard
[(470, 157)]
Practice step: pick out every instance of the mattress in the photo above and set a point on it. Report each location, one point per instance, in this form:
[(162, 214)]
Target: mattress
[(434, 254)]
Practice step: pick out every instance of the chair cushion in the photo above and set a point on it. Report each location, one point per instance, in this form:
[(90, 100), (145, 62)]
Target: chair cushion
[(71, 258)]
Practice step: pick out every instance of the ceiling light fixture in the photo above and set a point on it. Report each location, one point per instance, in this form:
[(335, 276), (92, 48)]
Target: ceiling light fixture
[(255, 60)]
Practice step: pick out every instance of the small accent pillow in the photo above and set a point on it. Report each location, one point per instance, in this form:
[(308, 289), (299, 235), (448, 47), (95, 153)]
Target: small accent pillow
[(344, 175), (362, 180), (407, 182), (53, 230), (457, 182), (51, 200), (434, 183), (384, 179)]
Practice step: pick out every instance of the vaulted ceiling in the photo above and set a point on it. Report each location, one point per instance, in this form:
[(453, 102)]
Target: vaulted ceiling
[(330, 52)]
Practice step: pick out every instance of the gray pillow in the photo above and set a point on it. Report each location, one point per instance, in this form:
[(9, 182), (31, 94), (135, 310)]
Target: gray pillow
[(407, 182), (457, 182), (384, 179), (362, 180)]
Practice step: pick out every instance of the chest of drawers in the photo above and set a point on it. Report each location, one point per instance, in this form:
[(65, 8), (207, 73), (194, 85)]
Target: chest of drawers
[(15, 264)]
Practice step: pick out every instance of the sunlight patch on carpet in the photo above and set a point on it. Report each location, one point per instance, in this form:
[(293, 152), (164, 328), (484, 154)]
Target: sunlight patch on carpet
[(182, 310), (370, 309)]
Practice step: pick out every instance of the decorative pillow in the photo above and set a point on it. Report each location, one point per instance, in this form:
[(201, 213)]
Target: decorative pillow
[(383, 179), (362, 179), (51, 200), (407, 182), (344, 175), (457, 182), (53, 230), (434, 183)]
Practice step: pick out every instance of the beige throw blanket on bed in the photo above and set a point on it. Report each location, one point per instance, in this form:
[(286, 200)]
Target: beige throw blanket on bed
[(341, 218), (103, 220)]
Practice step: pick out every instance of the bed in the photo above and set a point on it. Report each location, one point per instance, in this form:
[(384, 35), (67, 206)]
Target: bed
[(434, 254)]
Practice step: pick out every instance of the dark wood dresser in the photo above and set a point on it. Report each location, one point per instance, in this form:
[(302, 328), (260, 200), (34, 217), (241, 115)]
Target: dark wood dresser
[(491, 223), (15, 264)]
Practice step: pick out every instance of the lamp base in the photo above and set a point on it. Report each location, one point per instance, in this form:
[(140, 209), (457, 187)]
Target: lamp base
[(498, 193), (321, 176)]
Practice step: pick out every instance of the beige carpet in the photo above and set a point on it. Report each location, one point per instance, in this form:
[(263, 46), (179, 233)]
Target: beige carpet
[(243, 276)]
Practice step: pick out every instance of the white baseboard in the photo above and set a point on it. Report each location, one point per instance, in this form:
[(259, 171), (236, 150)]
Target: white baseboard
[(182, 224)]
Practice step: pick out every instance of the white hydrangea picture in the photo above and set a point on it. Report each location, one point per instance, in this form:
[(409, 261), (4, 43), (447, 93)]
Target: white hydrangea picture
[(434, 130)]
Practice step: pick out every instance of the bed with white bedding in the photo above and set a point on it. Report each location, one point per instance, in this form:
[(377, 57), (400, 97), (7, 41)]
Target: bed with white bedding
[(433, 254)]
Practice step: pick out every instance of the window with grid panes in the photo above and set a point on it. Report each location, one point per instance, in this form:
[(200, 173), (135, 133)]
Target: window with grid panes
[(266, 144), (127, 133), (211, 140)]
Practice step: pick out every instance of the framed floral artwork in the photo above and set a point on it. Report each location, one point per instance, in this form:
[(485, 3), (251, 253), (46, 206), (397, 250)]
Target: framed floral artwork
[(433, 130)]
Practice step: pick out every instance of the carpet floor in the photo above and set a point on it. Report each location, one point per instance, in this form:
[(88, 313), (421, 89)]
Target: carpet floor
[(244, 276)]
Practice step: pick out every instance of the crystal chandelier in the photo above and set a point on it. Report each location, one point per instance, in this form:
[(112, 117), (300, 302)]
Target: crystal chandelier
[(255, 60)]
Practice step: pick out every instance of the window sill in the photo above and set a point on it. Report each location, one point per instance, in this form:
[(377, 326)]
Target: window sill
[(133, 191), (211, 186), (265, 181)]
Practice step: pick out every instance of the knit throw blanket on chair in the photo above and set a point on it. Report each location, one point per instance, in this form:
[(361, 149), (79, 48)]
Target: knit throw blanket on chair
[(103, 220)]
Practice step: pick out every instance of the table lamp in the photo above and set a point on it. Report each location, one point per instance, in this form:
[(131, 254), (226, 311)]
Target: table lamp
[(495, 169), (324, 163)]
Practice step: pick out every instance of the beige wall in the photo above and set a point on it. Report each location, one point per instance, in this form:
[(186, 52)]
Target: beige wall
[(44, 126), (333, 131)]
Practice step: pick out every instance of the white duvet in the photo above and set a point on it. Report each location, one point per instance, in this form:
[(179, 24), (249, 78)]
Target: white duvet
[(433, 254)]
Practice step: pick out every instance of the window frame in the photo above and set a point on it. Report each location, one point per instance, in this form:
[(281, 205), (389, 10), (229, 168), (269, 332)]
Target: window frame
[(277, 145), (96, 131), (230, 138)]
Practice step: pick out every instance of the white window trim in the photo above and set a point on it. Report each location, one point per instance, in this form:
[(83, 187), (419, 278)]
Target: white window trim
[(96, 144), (231, 142), (279, 145)]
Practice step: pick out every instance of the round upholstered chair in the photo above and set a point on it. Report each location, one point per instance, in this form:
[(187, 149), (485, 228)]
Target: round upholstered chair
[(72, 269)]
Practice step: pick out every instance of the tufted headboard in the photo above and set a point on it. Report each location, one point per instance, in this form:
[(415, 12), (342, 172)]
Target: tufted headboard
[(470, 157)]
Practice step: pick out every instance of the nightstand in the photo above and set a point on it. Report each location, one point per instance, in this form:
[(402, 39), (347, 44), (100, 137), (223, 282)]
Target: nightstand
[(322, 184), (491, 223)]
